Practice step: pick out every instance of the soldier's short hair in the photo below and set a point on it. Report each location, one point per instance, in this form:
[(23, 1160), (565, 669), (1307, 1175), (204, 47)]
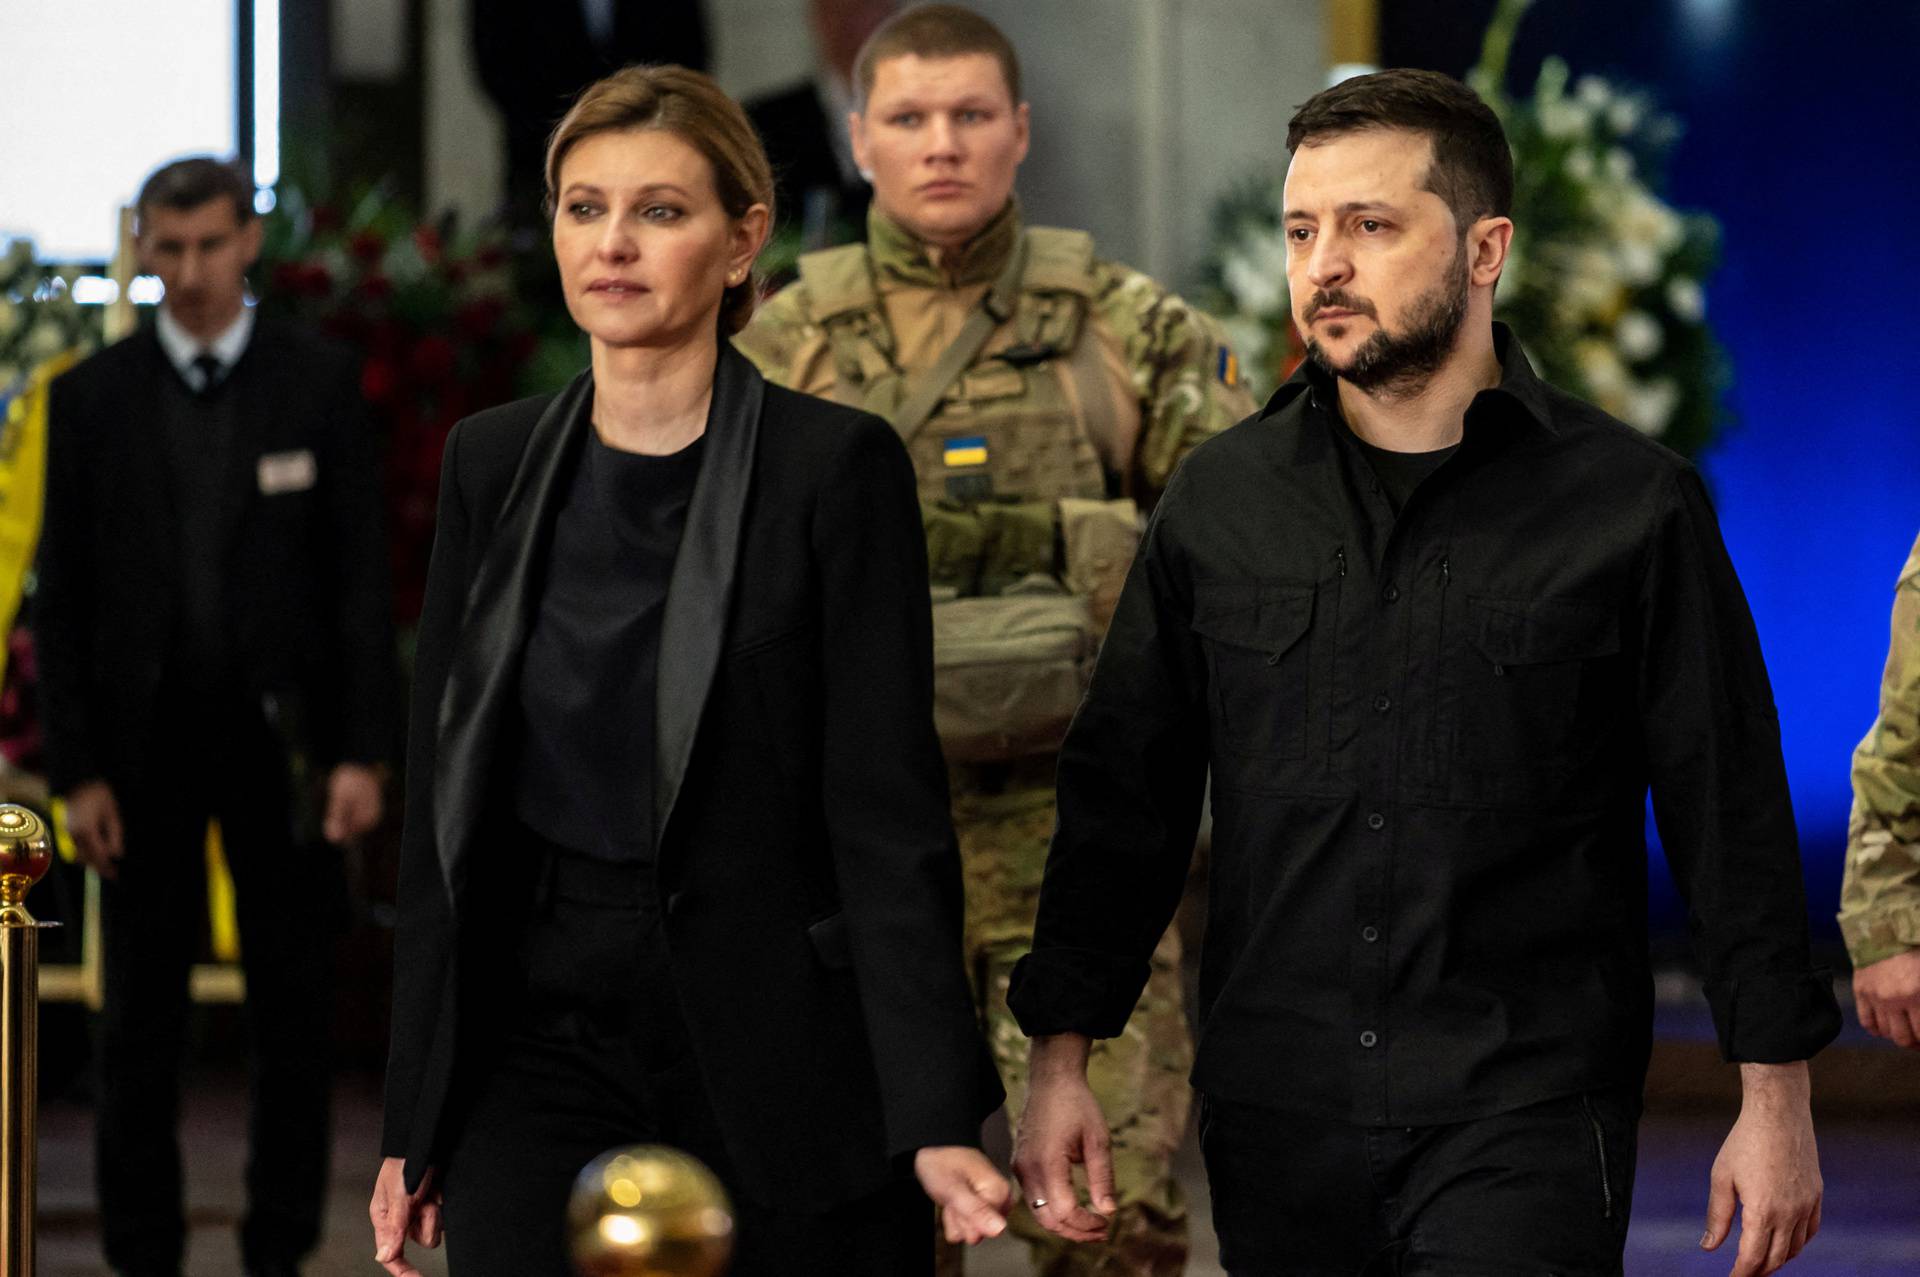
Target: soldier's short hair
[(935, 31), (191, 182), (1472, 168), (693, 108)]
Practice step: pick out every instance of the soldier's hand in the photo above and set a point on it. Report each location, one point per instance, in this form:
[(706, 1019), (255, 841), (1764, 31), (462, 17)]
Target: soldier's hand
[(971, 1194), (93, 820), (1887, 996), (353, 802), (1062, 1124)]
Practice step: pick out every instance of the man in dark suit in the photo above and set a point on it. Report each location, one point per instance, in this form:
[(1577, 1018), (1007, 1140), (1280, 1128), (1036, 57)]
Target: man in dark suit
[(803, 125), (215, 643), (533, 56)]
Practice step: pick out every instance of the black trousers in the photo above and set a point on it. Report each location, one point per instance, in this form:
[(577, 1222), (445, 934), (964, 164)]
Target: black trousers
[(223, 763), (1543, 1189), (593, 1057)]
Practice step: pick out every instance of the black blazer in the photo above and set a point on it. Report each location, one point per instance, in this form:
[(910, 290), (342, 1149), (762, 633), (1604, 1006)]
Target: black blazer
[(308, 605), (805, 855)]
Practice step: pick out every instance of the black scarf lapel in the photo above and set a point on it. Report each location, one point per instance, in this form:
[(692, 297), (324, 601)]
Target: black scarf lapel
[(694, 627), (480, 679)]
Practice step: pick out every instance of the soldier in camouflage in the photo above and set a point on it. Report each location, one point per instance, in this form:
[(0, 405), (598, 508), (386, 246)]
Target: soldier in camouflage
[(1880, 894), (1045, 396)]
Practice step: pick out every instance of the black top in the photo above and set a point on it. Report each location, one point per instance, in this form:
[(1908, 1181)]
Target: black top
[(1431, 738), (199, 432), (584, 780), (1398, 473)]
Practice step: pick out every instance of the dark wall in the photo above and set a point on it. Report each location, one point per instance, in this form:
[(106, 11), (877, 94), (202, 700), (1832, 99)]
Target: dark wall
[(1800, 137)]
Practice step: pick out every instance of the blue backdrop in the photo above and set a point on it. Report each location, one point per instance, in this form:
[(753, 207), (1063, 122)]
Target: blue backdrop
[(1800, 137)]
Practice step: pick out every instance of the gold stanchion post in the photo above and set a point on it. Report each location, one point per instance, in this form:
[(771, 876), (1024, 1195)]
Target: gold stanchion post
[(649, 1211), (25, 852)]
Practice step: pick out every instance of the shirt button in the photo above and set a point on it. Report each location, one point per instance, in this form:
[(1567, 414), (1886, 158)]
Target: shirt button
[(1382, 704), (1370, 934), (1391, 593), (1368, 1038), (1376, 821)]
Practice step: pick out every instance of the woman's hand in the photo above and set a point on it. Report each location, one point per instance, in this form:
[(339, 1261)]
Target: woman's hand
[(397, 1216), (972, 1195)]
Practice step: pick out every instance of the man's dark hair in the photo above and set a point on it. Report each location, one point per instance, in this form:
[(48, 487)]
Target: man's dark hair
[(935, 31), (191, 182), (1472, 168)]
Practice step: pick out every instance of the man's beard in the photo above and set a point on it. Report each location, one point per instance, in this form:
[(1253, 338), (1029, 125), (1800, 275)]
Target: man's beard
[(1401, 363)]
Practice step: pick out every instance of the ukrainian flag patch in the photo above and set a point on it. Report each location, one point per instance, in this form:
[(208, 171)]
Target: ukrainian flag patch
[(970, 451), (1229, 368)]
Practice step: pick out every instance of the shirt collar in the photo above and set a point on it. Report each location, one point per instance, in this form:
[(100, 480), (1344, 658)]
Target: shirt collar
[(183, 347), (898, 254), (1519, 387)]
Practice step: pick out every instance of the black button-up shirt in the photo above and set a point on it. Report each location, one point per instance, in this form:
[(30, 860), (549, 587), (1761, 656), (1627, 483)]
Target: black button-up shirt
[(1431, 739)]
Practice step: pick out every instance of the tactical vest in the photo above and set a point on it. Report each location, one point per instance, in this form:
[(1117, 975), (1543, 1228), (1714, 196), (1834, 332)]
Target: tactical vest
[(1014, 424), (1025, 551)]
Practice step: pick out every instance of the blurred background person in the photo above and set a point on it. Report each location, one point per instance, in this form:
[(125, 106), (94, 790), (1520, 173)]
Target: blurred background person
[(213, 630), (677, 865), (533, 55), (822, 194), (1044, 394), (1880, 893)]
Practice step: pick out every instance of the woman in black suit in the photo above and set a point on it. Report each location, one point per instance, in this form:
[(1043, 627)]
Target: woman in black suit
[(677, 866)]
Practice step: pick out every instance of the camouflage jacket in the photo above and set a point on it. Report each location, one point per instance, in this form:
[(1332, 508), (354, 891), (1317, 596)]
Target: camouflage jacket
[(1167, 360), (1880, 894)]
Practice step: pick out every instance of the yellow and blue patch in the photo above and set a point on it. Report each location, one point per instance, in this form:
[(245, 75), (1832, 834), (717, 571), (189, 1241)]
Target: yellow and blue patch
[(968, 451), (1228, 367)]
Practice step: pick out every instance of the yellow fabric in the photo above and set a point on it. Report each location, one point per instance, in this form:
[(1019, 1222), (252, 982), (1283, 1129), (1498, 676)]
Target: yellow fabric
[(222, 921), (23, 473)]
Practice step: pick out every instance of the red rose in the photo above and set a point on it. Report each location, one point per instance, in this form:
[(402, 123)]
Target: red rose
[(375, 288), (432, 360), (325, 218), (316, 280), (377, 380), (477, 318), (490, 257), (426, 238), (367, 245)]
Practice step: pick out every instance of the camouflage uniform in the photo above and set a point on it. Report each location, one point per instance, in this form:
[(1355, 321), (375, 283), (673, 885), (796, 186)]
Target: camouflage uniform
[(1880, 894), (1140, 378)]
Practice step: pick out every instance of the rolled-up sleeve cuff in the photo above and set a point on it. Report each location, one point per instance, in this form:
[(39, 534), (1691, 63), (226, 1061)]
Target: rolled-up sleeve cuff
[(1075, 991), (1774, 1017), (1882, 933)]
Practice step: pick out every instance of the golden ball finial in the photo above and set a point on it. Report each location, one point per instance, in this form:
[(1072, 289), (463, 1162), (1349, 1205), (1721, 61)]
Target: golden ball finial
[(649, 1211), (26, 851)]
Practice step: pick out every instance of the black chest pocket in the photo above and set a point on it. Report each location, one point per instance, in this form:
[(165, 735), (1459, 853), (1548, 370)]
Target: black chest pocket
[(1258, 665), (1534, 695)]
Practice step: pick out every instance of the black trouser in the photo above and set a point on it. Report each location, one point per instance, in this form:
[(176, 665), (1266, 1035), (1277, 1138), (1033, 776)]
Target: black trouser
[(1542, 1189), (595, 1058), (226, 766)]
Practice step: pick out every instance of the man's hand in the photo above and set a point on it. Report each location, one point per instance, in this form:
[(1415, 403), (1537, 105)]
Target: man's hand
[(353, 802), (93, 819), (397, 1217), (971, 1194), (1887, 996), (1770, 1168), (1062, 1125)]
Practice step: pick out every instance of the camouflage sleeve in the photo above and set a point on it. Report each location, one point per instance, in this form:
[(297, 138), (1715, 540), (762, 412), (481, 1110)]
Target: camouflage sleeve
[(1186, 376), (1880, 893), (786, 345)]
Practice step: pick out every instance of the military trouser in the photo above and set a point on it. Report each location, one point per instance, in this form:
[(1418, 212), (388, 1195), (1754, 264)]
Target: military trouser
[(1004, 817)]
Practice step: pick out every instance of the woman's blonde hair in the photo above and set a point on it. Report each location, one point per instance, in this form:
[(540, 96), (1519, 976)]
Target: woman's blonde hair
[(692, 107)]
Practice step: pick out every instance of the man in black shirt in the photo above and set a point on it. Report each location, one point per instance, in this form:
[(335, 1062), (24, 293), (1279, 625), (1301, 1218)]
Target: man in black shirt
[(1437, 628)]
